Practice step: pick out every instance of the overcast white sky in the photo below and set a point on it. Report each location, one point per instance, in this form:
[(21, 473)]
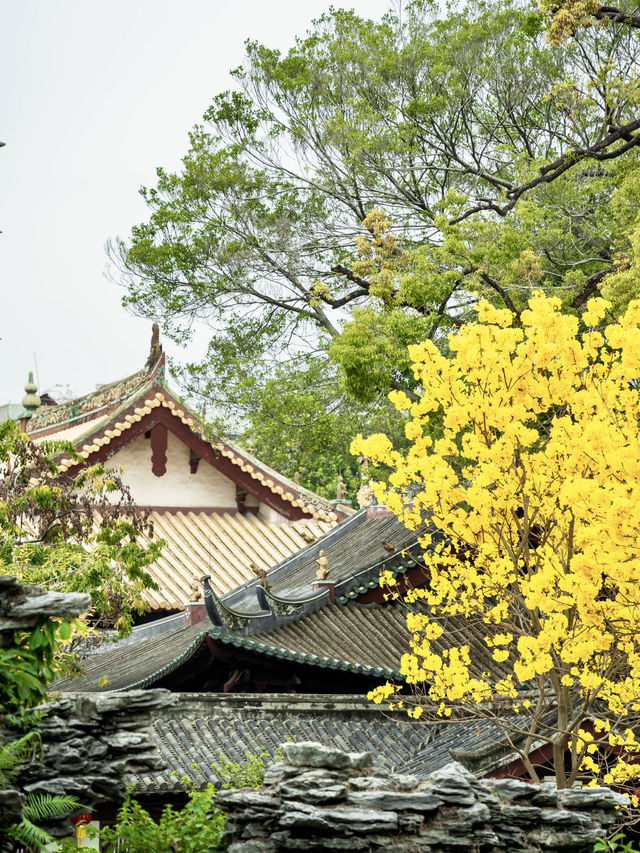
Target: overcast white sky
[(94, 96)]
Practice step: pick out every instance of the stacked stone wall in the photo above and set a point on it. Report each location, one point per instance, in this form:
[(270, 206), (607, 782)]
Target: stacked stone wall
[(319, 798), (89, 742)]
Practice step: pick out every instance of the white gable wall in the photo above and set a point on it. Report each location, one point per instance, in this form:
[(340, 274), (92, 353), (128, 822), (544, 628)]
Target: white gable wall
[(177, 486)]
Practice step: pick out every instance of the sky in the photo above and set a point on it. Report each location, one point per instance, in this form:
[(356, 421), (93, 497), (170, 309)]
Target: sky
[(93, 97)]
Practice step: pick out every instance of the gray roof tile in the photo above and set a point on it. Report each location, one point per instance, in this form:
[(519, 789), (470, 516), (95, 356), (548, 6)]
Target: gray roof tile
[(202, 728)]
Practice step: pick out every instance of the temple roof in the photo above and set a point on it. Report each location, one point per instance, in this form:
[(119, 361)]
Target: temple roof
[(230, 543), (95, 421), (363, 639), (360, 638), (200, 730), (357, 550)]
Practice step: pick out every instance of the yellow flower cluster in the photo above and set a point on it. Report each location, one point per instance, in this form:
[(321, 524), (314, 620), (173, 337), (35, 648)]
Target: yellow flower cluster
[(533, 488)]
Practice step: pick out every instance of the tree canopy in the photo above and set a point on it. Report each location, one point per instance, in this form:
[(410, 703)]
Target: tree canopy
[(356, 195), (531, 483)]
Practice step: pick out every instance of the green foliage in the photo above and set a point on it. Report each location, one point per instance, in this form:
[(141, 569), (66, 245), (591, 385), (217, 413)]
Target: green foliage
[(300, 413), (71, 534), (232, 774), (617, 844), (196, 827), (15, 752), (36, 808), (357, 193), (27, 667)]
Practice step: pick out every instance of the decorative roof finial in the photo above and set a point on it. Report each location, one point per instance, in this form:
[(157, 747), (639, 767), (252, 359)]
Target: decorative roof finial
[(323, 569), (155, 352), (31, 401)]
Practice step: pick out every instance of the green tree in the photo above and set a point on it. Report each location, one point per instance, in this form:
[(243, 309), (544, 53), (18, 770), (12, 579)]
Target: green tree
[(76, 533), (460, 152)]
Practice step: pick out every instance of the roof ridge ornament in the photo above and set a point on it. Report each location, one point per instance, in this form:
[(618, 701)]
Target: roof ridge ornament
[(283, 607), (221, 614), (275, 610), (31, 401), (155, 351)]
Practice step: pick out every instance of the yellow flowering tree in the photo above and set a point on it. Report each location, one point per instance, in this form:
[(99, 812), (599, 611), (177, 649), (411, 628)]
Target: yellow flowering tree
[(525, 457)]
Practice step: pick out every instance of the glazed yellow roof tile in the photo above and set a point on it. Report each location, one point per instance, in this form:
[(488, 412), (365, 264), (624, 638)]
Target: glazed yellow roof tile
[(224, 546)]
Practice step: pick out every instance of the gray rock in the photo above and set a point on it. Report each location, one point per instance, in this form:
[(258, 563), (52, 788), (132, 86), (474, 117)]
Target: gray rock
[(325, 794), (416, 801), (285, 841), (452, 812), (339, 818), (253, 828), (10, 806), (573, 840), (486, 839), (403, 782), (590, 798), (261, 846), (410, 822), (446, 839), (513, 789), (477, 813), (454, 784), (303, 816), (279, 771), (124, 740), (517, 815), (314, 754), (361, 820), (547, 795), (307, 779), (246, 797), (64, 604), (369, 783), (560, 816)]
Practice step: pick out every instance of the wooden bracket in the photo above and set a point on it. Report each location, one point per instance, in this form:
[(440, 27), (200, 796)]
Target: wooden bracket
[(159, 439)]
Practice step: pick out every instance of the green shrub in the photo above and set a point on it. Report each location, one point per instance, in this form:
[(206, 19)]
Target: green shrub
[(195, 828), (616, 844)]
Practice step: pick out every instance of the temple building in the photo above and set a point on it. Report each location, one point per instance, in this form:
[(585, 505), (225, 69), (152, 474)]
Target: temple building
[(220, 511)]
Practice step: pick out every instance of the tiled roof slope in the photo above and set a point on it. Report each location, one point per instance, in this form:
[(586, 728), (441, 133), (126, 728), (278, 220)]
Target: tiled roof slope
[(352, 546), (367, 639), (226, 546), (122, 666), (200, 729)]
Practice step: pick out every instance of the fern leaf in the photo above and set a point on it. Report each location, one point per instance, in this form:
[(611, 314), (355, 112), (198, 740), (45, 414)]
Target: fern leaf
[(30, 836), (40, 807)]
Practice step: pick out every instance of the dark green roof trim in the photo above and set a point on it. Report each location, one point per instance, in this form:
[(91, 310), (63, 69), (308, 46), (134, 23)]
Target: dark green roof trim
[(241, 641), (276, 610), (368, 578), (168, 668)]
